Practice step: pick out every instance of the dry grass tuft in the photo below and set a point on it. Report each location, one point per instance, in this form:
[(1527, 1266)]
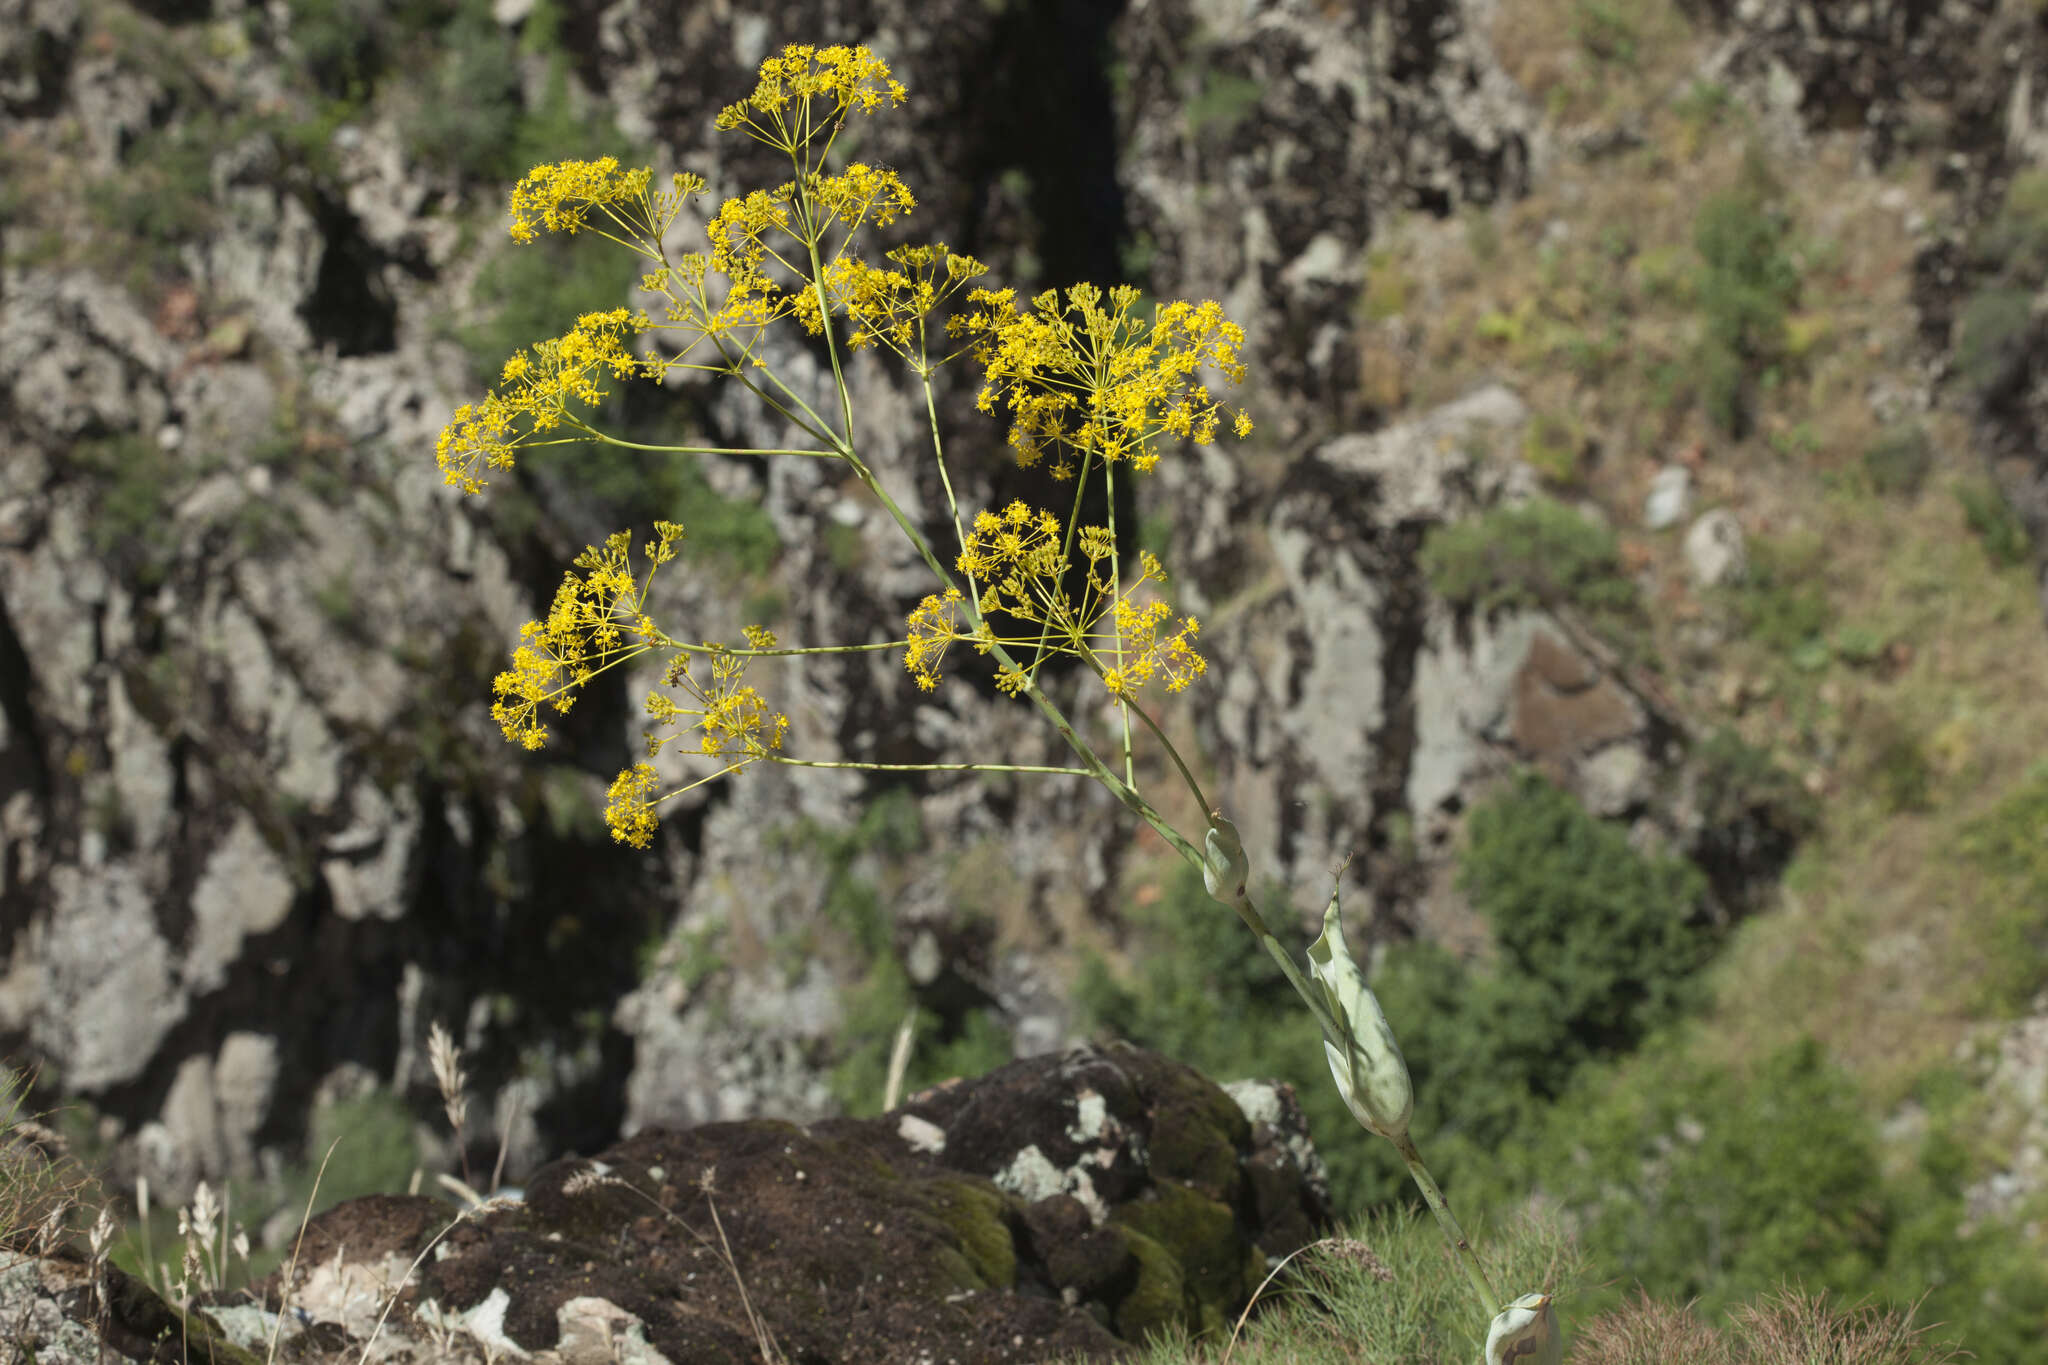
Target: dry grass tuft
[(1792, 1327)]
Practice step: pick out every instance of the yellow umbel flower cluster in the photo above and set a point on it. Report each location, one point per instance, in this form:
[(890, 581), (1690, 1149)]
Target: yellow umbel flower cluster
[(933, 626), (535, 389), (629, 807), (730, 719), (597, 620), (1020, 570), (889, 306), (1083, 380), (841, 78)]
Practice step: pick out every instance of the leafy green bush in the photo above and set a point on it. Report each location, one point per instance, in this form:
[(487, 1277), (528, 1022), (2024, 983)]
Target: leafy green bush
[(1987, 1289), (1690, 1180), (1741, 785), (1605, 930), (1224, 102), (376, 1151), (1380, 1290), (1552, 445), (1996, 524), (1779, 603), (2011, 252), (1596, 946), (346, 46), (1896, 463), (2007, 851), (1696, 1182), (1896, 767), (1993, 327), (135, 485), (1533, 553), (538, 291), (2015, 241), (473, 117), (1748, 283), (1609, 32), (470, 108)]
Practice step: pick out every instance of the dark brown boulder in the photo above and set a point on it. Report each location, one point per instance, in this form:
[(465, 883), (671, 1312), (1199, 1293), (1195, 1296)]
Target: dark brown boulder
[(1062, 1205)]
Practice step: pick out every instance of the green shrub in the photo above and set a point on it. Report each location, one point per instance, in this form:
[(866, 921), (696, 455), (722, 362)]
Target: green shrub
[(1223, 103), (1741, 784), (162, 195), (1552, 445), (1609, 32), (970, 1043), (1987, 1290), (1895, 768), (1595, 947), (1898, 460), (1691, 1180), (1997, 526), (1605, 930), (1779, 604), (473, 118), (470, 106), (135, 485), (2015, 242), (1533, 553), (525, 293), (539, 291), (1696, 1182), (376, 1151), (1383, 1291), (1994, 325), (2006, 853), (345, 46), (1748, 283)]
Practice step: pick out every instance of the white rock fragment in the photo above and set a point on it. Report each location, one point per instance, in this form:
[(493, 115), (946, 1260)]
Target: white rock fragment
[(1670, 497), (922, 1134), (1716, 552)]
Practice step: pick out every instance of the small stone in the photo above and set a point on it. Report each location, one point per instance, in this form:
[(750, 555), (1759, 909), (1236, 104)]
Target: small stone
[(1670, 497), (1716, 551)]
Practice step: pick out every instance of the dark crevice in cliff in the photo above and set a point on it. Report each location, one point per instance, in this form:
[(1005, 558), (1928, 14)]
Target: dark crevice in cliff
[(1396, 876), (350, 308), (24, 767)]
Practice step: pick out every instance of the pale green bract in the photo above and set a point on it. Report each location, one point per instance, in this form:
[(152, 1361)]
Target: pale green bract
[(1525, 1333), (1225, 868), (1370, 1071)]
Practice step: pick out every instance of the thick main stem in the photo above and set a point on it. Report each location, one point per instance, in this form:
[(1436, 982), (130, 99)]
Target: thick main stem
[(1468, 1259)]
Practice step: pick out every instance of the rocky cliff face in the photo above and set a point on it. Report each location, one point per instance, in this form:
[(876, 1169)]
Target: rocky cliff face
[(256, 826)]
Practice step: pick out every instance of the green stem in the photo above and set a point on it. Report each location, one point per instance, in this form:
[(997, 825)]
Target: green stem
[(928, 767), (1468, 1259)]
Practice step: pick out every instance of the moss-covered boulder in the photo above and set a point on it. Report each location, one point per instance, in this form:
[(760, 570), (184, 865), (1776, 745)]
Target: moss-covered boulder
[(1063, 1205)]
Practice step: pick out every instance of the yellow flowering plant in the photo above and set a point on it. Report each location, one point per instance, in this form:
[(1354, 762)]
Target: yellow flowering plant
[(1088, 386)]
